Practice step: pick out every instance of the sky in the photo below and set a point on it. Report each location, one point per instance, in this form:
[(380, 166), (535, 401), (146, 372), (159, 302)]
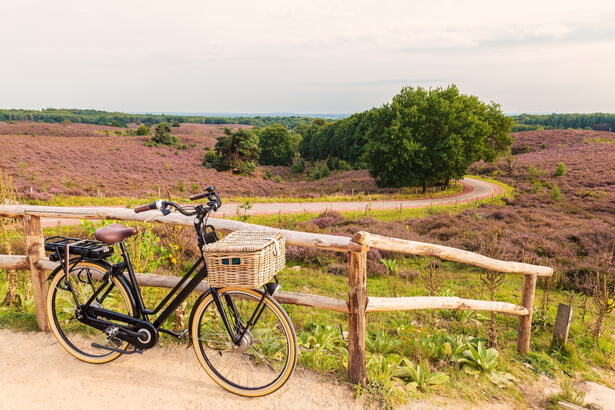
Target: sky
[(313, 56)]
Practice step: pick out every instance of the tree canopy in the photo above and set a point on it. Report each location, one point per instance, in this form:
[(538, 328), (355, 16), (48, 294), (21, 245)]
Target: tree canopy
[(276, 146), (163, 135), (235, 151), (425, 136)]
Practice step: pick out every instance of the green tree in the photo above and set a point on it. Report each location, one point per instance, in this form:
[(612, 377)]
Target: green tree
[(235, 151), (425, 136), (143, 130), (276, 146), (163, 135)]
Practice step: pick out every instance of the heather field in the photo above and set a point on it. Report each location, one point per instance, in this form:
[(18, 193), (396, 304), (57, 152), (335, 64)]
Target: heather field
[(48, 160), (559, 210)]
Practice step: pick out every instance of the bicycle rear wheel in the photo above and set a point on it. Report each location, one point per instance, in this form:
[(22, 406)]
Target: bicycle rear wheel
[(266, 356), (76, 337)]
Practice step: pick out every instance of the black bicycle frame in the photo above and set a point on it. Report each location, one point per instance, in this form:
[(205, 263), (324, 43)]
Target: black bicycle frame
[(187, 289)]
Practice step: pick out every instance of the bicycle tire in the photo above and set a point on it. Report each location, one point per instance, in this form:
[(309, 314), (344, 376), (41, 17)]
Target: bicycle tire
[(76, 337), (269, 359)]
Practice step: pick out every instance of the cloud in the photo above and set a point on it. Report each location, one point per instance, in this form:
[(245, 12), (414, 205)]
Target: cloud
[(317, 55)]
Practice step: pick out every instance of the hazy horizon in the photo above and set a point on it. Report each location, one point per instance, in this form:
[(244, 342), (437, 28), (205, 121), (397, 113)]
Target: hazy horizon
[(305, 57)]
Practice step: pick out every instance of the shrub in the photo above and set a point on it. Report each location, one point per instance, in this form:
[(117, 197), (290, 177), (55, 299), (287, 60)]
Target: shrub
[(332, 162), (555, 194), (532, 172), (245, 167), (163, 135), (175, 124), (343, 166), (211, 159), (236, 151), (560, 170), (267, 175), (277, 179), (537, 187), (321, 171), (299, 166)]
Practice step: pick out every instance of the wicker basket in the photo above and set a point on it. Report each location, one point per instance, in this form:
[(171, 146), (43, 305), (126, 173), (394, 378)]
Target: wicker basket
[(245, 258)]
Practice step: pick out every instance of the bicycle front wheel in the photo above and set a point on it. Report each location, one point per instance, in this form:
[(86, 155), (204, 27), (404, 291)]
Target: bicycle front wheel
[(266, 356)]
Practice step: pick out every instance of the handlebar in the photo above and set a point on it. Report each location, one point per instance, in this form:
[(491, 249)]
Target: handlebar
[(213, 204)]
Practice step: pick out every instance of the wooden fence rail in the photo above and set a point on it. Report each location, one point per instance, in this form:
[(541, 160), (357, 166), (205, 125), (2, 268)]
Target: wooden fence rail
[(356, 306)]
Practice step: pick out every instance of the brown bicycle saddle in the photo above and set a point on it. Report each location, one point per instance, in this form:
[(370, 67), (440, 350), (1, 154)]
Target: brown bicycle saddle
[(114, 233)]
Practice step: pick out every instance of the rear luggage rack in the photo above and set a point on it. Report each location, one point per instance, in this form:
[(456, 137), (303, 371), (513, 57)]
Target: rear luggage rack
[(86, 248)]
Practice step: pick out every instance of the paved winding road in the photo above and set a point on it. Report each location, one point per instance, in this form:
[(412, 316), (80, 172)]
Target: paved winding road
[(473, 189)]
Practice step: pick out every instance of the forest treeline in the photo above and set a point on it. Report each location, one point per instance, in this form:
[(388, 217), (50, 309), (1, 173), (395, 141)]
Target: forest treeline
[(596, 121), (118, 119)]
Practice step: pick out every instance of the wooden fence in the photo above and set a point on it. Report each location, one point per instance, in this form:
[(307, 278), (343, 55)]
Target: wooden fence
[(356, 306)]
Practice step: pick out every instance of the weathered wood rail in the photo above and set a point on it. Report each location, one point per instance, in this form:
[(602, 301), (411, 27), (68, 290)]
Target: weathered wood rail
[(356, 306)]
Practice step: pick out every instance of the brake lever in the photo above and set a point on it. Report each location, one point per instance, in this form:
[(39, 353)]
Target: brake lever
[(163, 208)]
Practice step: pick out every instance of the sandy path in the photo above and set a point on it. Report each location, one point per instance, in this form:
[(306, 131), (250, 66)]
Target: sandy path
[(37, 373), (473, 189)]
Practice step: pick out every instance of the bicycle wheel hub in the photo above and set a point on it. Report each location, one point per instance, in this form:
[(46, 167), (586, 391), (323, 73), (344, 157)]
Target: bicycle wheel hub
[(245, 343)]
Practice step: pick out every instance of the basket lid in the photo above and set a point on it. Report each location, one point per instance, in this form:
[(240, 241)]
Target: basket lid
[(244, 241)]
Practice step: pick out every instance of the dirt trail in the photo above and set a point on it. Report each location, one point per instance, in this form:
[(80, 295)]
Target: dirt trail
[(38, 373)]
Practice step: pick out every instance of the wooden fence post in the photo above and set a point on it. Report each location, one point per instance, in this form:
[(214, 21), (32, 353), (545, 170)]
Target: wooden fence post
[(525, 322), (36, 251), (562, 324), (357, 305)]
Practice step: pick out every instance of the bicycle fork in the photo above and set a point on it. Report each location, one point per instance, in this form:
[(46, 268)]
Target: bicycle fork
[(239, 330)]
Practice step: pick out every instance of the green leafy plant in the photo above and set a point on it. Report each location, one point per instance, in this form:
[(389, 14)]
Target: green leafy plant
[(323, 349), (382, 343), (481, 360), (419, 377)]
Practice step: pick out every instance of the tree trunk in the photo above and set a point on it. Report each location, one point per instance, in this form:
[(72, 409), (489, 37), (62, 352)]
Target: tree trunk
[(424, 187)]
